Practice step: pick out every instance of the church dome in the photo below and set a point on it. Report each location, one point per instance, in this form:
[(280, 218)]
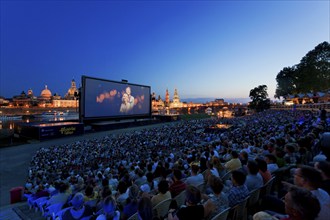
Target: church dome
[(46, 93)]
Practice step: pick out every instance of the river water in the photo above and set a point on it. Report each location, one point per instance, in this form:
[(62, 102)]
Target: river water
[(11, 123)]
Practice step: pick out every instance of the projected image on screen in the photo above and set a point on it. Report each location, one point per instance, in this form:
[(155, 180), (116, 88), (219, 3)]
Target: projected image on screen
[(111, 99)]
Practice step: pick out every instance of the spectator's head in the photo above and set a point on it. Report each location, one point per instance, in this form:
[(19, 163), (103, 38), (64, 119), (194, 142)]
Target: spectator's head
[(324, 168), (133, 193), (105, 182), (63, 187), (290, 148), (234, 154), (150, 177), (89, 191), (253, 167), (216, 185), (261, 164), (106, 192), (145, 208), (194, 169), (270, 158), (300, 204), (193, 195), (307, 177), (163, 186), (109, 205), (177, 174), (77, 201), (238, 177), (122, 187)]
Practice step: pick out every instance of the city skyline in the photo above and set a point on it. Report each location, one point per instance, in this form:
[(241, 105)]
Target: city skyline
[(212, 49)]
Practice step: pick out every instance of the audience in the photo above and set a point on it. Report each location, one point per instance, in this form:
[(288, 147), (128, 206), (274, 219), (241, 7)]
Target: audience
[(111, 164)]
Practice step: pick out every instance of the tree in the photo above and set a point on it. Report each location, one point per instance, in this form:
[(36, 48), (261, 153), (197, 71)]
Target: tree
[(312, 74), (259, 98), (286, 82)]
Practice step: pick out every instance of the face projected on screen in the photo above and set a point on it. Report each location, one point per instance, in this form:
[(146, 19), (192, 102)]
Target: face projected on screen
[(104, 98), (127, 101)]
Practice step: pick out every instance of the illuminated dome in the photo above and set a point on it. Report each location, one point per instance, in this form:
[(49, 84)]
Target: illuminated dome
[(46, 93)]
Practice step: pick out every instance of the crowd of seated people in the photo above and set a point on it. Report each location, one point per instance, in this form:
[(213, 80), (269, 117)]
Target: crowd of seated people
[(120, 174)]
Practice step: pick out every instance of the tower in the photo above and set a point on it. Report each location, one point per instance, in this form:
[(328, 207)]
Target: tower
[(72, 90), (176, 98), (167, 98)]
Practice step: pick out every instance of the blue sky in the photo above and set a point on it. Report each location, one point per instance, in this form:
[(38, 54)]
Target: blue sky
[(219, 49)]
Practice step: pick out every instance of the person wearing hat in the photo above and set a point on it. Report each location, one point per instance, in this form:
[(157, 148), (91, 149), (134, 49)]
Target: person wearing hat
[(78, 209)]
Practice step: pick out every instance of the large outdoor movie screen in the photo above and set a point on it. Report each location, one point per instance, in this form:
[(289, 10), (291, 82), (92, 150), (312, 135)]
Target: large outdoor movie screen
[(108, 99)]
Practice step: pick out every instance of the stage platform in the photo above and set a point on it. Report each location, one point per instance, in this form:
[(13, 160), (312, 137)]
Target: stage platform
[(46, 131)]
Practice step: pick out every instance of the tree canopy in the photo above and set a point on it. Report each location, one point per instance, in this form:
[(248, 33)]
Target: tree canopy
[(311, 75), (259, 98)]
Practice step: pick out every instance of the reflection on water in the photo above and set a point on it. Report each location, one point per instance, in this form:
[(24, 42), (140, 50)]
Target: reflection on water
[(10, 124)]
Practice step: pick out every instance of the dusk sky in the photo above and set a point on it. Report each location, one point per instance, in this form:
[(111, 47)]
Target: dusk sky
[(218, 49)]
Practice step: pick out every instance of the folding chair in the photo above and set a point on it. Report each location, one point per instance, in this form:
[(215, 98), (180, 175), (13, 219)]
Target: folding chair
[(134, 217), (161, 209), (238, 211), (222, 215), (180, 199)]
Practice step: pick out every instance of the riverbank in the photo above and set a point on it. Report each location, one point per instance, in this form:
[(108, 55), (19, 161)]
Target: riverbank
[(14, 111)]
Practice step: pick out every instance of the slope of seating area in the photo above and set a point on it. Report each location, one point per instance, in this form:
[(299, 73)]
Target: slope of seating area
[(176, 166)]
